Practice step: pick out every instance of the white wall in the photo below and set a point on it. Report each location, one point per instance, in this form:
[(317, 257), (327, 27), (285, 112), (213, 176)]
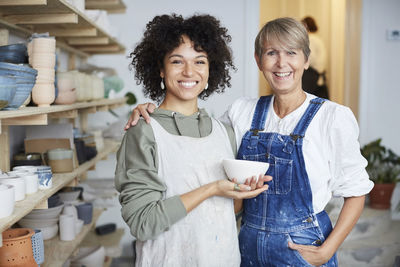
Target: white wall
[(380, 69), (240, 17)]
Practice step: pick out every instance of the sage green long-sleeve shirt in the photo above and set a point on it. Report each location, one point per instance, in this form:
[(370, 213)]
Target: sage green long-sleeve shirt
[(143, 207)]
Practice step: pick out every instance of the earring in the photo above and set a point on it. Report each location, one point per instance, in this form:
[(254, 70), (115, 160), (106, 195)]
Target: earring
[(206, 87), (162, 84)]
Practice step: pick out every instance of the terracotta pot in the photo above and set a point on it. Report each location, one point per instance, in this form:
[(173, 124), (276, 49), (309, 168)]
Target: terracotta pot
[(380, 196), (17, 248)]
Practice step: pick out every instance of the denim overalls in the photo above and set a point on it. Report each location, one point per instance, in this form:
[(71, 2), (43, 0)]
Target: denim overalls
[(284, 212)]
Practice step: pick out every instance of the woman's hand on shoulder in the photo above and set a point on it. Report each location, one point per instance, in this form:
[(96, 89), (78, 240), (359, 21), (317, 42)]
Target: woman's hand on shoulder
[(251, 188), (140, 110)]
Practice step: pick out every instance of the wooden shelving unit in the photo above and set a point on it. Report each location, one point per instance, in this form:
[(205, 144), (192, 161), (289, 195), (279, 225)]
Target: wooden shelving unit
[(56, 252), (74, 31), (41, 115), (23, 207)]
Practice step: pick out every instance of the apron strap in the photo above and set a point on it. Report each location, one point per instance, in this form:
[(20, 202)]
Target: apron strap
[(260, 114), (307, 117)]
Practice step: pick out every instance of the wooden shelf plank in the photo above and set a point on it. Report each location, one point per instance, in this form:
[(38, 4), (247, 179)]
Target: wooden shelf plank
[(88, 41), (40, 119), (22, 2), (57, 251), (38, 13), (30, 111), (69, 114), (42, 18), (112, 6), (23, 207)]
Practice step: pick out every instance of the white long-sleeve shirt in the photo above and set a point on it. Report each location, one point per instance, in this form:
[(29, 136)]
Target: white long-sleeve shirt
[(331, 150)]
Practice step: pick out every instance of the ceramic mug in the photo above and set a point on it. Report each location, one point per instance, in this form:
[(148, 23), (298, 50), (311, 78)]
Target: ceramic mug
[(85, 212), (45, 177), (67, 227)]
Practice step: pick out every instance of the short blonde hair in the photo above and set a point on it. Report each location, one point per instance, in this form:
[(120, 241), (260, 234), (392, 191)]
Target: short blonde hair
[(289, 32)]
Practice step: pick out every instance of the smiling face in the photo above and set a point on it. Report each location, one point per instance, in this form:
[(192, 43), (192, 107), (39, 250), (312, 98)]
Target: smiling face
[(282, 67), (185, 74)]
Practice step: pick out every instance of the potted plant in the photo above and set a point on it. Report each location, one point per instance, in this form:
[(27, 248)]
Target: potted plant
[(384, 170)]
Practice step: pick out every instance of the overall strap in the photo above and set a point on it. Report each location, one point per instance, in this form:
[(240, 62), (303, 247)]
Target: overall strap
[(307, 117), (260, 114)]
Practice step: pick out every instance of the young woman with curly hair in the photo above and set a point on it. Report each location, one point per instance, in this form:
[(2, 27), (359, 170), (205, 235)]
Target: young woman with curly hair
[(174, 193)]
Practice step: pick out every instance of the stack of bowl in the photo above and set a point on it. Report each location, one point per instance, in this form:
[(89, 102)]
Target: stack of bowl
[(14, 53), (42, 56), (45, 220), (24, 81), (30, 178)]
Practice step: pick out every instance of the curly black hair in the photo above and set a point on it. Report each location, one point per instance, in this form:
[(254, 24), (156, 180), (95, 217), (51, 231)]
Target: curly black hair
[(164, 33)]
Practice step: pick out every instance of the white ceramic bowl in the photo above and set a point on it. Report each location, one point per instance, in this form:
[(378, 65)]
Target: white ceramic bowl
[(18, 183), (37, 223), (51, 213), (89, 256), (7, 199), (243, 169), (49, 232), (27, 168)]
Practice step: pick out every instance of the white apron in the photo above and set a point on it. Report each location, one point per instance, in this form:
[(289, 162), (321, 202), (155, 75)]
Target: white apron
[(207, 236)]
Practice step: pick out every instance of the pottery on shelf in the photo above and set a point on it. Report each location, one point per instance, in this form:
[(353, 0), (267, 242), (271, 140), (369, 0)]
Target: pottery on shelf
[(7, 199), (43, 94), (17, 248)]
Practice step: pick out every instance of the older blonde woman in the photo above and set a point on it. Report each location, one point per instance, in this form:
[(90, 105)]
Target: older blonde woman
[(312, 147)]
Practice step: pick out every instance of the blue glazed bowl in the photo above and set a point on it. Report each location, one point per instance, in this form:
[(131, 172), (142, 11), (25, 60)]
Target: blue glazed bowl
[(21, 94), (8, 88), (16, 57), (17, 70)]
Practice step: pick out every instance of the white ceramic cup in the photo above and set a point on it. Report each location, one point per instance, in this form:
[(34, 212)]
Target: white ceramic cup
[(31, 182), (18, 183), (67, 227), (70, 210), (7, 199)]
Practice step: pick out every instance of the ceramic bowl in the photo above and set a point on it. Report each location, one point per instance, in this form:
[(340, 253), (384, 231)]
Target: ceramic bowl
[(50, 213), (18, 70), (49, 232), (37, 223), (7, 199), (43, 60), (66, 97), (28, 168), (65, 81), (243, 169), (22, 92), (89, 257), (43, 94), (18, 183), (7, 93)]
